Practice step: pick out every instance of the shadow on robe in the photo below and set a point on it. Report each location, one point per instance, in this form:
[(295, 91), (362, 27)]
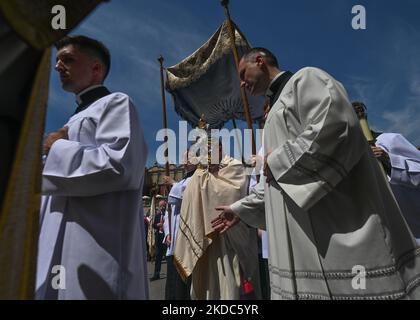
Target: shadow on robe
[(93, 286)]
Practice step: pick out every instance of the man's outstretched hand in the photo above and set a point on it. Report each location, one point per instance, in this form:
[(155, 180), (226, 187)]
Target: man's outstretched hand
[(226, 220)]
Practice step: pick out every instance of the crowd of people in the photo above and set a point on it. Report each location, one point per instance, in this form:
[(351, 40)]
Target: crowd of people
[(316, 206)]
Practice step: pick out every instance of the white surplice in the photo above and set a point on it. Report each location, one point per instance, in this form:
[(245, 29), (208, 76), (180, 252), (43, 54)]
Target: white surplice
[(405, 176), (91, 215), (175, 201)]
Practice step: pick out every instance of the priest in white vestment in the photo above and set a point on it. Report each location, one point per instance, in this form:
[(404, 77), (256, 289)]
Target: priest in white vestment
[(92, 242), (334, 228), (221, 266)]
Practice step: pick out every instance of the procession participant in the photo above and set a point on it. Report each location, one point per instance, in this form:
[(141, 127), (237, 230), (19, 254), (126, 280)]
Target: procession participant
[(91, 229), (175, 287), (222, 267), (328, 209), (159, 239)]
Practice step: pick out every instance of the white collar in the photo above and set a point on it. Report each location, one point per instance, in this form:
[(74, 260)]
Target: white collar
[(78, 96), (269, 93)]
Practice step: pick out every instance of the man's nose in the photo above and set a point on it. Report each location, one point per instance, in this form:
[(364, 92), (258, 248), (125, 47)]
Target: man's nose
[(59, 66), (243, 84)]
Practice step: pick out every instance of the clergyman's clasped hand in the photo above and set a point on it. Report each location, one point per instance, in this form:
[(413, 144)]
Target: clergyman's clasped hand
[(53, 137)]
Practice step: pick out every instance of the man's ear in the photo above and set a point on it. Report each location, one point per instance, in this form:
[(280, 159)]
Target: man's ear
[(98, 69), (259, 60)]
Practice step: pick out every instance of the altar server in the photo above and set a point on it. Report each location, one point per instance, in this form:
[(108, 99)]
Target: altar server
[(92, 243), (404, 175)]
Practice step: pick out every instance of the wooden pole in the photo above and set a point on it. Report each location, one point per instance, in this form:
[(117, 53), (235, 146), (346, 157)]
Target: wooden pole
[(225, 4), (160, 59), (237, 138), (165, 126), (362, 115)]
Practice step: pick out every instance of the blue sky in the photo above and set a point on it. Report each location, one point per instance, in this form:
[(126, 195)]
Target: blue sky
[(379, 65)]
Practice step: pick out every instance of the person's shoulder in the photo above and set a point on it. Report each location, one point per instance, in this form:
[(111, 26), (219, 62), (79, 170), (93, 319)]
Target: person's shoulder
[(390, 138), (175, 189), (229, 161), (316, 77), (390, 135), (312, 72), (118, 96)]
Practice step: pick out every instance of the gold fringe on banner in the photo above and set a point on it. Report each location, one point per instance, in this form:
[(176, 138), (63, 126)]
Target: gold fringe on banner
[(19, 219), (32, 19)]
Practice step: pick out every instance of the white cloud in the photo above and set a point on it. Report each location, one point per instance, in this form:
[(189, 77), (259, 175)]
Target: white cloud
[(415, 85), (406, 118), (404, 121), (361, 88), (392, 92)]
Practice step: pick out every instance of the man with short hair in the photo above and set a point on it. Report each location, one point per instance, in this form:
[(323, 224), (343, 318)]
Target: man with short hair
[(328, 209), (159, 239), (91, 228)]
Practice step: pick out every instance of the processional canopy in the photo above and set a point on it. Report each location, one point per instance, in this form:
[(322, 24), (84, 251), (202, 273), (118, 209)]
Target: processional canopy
[(206, 83)]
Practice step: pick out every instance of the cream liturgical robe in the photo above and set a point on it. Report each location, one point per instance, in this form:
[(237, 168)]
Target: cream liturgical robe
[(216, 262), (91, 243), (334, 228)]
